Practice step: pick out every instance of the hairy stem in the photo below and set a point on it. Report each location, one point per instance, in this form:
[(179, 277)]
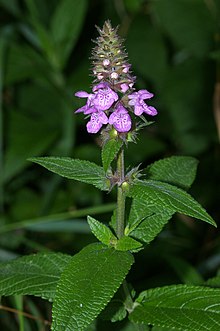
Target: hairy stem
[(120, 225), (121, 196)]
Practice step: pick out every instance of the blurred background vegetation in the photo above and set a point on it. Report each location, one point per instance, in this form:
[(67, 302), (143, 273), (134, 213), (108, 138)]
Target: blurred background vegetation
[(45, 46)]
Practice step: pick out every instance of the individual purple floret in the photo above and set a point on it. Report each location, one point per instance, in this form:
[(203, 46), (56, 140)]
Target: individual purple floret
[(120, 119), (140, 107), (88, 108), (97, 119), (104, 96)]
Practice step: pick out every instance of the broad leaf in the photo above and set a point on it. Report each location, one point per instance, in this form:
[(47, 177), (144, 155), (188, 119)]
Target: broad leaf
[(179, 307), (87, 285), (176, 170), (84, 171), (109, 152), (146, 220), (66, 24), (101, 231), (33, 275), (168, 196), (127, 244)]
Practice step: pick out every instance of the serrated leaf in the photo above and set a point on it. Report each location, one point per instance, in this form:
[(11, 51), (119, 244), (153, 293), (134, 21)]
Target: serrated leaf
[(176, 170), (213, 282), (66, 24), (170, 197), (87, 285), (33, 275), (126, 243), (146, 220), (101, 231), (109, 152), (81, 170), (180, 307)]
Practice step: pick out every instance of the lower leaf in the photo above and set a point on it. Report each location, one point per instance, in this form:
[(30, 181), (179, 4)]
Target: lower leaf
[(33, 274), (87, 285), (179, 307)]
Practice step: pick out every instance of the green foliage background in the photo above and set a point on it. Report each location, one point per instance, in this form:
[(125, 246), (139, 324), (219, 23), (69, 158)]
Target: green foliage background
[(173, 46)]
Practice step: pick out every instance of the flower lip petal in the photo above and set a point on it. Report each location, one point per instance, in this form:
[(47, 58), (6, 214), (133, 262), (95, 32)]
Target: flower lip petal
[(151, 111), (81, 110), (82, 94)]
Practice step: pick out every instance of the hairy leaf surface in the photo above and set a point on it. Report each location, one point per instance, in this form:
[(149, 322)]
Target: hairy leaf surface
[(33, 275), (176, 170), (87, 285), (101, 231), (81, 170), (109, 152), (179, 307), (168, 196)]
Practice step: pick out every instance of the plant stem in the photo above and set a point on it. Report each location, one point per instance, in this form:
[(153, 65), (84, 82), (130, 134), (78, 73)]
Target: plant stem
[(121, 196), (120, 223)]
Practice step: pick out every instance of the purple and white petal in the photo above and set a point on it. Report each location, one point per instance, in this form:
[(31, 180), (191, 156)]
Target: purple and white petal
[(150, 111), (124, 87), (138, 109), (82, 94), (120, 119), (100, 86), (96, 121), (104, 98)]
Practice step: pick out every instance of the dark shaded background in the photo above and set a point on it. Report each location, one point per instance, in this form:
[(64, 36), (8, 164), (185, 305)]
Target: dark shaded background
[(173, 46)]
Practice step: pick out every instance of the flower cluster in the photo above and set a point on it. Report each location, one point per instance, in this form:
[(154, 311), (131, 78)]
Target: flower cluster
[(113, 100)]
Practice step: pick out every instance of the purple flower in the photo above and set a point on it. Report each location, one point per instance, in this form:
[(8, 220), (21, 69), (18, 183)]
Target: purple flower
[(140, 107), (120, 119), (97, 119), (88, 108), (124, 87), (104, 96)]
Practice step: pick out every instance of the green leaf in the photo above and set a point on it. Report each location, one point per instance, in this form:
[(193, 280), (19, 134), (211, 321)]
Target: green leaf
[(87, 285), (33, 275), (175, 170), (180, 307), (109, 152), (171, 197), (101, 231), (213, 282), (66, 25), (127, 244), (84, 171), (146, 219)]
